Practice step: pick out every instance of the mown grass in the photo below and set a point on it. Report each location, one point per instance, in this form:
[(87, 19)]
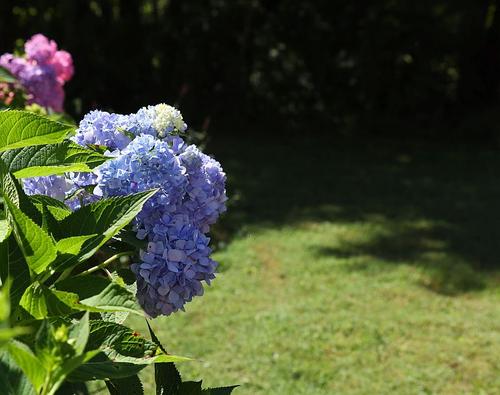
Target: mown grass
[(349, 269)]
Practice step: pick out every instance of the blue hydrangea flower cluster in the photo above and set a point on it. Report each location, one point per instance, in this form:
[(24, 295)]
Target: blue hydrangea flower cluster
[(53, 186), (146, 163), (177, 260), (205, 193), (115, 131), (147, 153), (161, 121), (103, 128), (78, 193)]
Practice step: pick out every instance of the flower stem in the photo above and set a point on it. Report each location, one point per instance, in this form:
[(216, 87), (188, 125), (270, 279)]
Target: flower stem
[(64, 275), (105, 263)]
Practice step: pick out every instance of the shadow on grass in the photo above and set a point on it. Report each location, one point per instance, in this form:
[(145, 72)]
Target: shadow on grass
[(445, 272), (431, 200)]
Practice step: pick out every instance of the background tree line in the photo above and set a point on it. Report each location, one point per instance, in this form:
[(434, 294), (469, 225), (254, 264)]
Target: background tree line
[(323, 66)]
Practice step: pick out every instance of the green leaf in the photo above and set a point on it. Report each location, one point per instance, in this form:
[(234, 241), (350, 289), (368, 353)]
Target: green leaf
[(155, 339), (129, 237), (68, 388), (16, 268), (10, 188), (124, 352), (49, 223), (5, 230), (35, 161), (84, 286), (94, 294), (4, 260), (118, 317), (45, 345), (117, 342), (114, 298), (57, 208), (164, 358), (61, 351), (105, 217), (100, 294), (103, 368), (13, 381), (6, 333), (73, 245), (68, 366), (41, 302), (167, 378), (6, 76), (190, 388), (36, 245), (219, 390), (22, 129), (28, 362), (80, 333), (127, 386)]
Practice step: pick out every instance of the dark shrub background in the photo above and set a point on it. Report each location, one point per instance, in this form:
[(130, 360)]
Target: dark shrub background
[(426, 67)]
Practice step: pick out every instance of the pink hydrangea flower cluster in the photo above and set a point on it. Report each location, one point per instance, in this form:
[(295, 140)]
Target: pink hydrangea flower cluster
[(42, 71)]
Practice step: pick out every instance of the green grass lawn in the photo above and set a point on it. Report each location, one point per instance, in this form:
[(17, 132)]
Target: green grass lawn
[(350, 269)]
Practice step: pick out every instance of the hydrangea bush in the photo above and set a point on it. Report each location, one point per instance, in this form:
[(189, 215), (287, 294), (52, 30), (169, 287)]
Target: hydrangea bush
[(146, 152), (75, 202), (41, 72)]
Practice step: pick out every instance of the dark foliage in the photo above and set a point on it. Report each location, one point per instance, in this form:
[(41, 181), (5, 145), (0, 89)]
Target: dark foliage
[(352, 65)]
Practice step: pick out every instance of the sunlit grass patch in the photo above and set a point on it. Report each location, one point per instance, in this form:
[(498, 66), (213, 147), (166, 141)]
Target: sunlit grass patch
[(353, 273)]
